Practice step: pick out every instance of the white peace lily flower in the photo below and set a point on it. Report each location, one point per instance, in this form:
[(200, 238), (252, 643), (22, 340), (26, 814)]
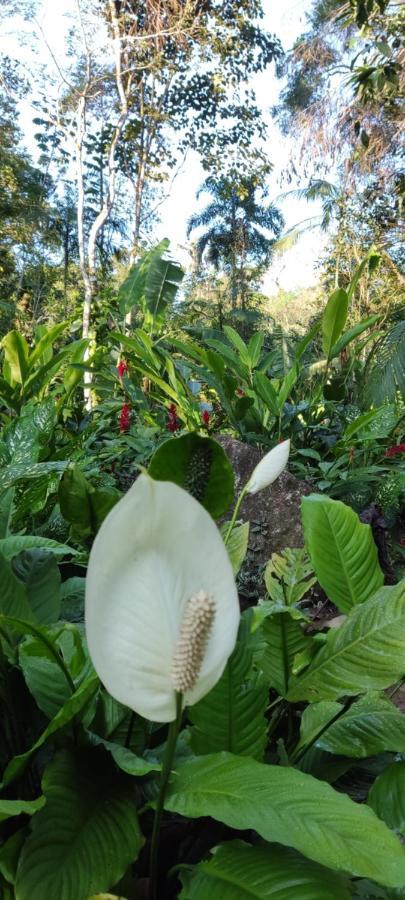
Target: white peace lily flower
[(162, 609), (269, 468)]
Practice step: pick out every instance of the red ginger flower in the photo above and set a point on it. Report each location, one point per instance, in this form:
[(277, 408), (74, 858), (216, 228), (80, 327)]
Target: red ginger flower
[(125, 417), (122, 368), (205, 416), (392, 451), (172, 423)]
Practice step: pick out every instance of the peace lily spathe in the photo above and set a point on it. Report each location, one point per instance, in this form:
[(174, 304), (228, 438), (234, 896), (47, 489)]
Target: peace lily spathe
[(269, 468), (162, 609)]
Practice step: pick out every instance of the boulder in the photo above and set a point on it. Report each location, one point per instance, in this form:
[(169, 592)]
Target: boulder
[(274, 513)]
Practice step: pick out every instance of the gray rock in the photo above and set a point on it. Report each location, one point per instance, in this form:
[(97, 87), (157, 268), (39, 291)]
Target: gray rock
[(274, 513)]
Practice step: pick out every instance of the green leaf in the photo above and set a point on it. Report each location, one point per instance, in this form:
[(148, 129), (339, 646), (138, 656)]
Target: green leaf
[(287, 385), (9, 853), (371, 726), (235, 339), (342, 551), (44, 678), (163, 280), (13, 595), (72, 708), (333, 320), (12, 474), (87, 835), (232, 716), (387, 797), (74, 499), (199, 465), (237, 871), (302, 345), (11, 808), (352, 333), (266, 392), (16, 543), (284, 639), (366, 653), (237, 544), (45, 343), (125, 759), (38, 570), (16, 356), (288, 807), (255, 347), (6, 512)]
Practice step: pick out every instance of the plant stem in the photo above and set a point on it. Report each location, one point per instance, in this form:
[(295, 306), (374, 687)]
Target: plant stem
[(166, 770), (235, 513)]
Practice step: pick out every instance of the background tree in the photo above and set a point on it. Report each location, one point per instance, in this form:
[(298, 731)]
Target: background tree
[(238, 223)]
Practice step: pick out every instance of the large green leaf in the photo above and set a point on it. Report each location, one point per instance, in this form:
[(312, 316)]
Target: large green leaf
[(87, 835), (162, 283), (199, 465), (237, 871), (232, 716), (16, 356), (16, 543), (333, 320), (387, 797), (266, 391), (342, 551), (237, 544), (12, 474), (39, 572), (45, 343), (372, 725), (66, 715), (366, 653), (284, 639), (44, 678), (11, 808), (6, 512), (352, 333), (13, 595), (288, 807)]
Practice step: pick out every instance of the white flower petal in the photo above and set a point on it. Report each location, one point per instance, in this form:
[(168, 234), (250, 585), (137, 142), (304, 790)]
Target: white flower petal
[(269, 468), (156, 549)]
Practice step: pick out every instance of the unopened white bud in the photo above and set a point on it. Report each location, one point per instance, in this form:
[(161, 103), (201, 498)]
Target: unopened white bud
[(192, 643)]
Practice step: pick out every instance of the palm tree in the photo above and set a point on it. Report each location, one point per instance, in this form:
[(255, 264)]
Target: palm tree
[(238, 223)]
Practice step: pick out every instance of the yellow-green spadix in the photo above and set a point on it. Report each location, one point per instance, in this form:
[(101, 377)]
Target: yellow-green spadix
[(162, 609)]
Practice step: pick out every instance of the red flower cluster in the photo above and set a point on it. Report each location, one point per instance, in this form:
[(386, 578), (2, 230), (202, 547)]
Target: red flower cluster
[(239, 392), (122, 368), (392, 451), (125, 417), (205, 417), (172, 423)]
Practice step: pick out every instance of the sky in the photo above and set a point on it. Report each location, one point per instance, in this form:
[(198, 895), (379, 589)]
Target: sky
[(291, 270)]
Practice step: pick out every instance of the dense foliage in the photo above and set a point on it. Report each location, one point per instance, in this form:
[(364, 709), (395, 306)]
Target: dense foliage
[(285, 777)]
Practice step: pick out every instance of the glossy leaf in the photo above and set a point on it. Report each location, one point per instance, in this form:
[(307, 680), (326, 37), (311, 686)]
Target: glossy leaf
[(39, 572), (199, 465), (370, 726), (17, 543), (387, 797), (72, 708), (288, 807), (342, 551), (284, 640), (85, 837), (16, 356), (11, 808), (334, 319), (232, 716), (237, 871), (367, 652), (237, 544)]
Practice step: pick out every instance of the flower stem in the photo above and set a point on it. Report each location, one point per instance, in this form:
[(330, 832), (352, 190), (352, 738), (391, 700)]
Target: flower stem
[(174, 728), (235, 513)]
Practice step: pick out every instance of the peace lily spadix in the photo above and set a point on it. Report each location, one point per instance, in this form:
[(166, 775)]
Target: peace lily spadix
[(162, 609), (269, 468)]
